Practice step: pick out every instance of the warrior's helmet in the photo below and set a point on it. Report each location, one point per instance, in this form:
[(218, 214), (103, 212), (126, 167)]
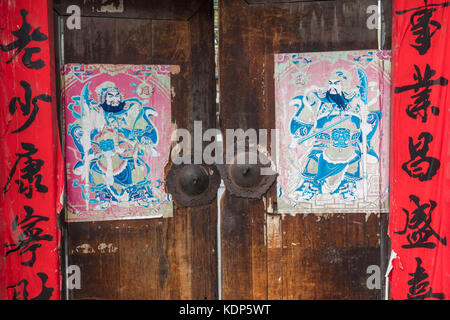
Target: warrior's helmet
[(109, 97), (339, 81)]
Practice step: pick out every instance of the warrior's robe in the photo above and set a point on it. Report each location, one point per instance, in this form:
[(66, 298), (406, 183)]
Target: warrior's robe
[(335, 156)]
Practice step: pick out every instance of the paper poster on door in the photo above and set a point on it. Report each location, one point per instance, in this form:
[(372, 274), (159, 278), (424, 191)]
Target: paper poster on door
[(332, 113), (117, 122)]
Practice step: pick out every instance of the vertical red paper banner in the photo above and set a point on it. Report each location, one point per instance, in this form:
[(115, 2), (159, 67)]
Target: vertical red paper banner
[(31, 165), (419, 225)]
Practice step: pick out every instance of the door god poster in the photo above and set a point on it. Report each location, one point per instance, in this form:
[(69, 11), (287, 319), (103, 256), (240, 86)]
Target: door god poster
[(332, 113), (117, 121)]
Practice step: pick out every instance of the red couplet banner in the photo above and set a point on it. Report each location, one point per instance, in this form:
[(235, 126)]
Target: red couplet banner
[(31, 176), (419, 225)]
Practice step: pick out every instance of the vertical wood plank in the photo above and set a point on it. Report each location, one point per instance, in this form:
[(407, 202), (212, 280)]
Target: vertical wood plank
[(244, 262)]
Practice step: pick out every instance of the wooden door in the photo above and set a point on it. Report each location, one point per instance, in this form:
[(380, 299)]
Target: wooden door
[(266, 255), (170, 258), (263, 255)]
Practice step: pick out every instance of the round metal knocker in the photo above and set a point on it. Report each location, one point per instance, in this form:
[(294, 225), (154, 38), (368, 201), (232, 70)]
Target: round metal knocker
[(245, 175), (193, 184), (248, 180)]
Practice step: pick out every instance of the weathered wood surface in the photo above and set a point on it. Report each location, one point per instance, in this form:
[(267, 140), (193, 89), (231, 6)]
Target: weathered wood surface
[(133, 9), (270, 256), (172, 258)]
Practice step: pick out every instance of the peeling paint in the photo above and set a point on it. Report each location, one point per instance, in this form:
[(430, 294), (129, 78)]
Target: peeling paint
[(367, 215), (273, 232), (325, 216), (105, 7), (270, 205), (175, 69), (84, 248), (265, 234), (107, 248)]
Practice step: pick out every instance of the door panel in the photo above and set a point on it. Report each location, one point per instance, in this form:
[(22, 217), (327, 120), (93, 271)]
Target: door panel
[(171, 258), (266, 255)]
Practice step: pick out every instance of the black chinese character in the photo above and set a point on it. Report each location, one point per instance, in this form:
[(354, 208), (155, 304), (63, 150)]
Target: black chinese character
[(419, 222), (418, 289), (30, 236), (30, 173), (21, 291), (422, 25), (422, 89), (420, 166), (25, 107), (24, 36)]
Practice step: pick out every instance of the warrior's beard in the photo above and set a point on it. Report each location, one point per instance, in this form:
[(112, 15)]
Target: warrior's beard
[(113, 109), (338, 99)]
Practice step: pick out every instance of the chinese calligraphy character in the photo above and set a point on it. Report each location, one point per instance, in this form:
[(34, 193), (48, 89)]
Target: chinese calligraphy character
[(145, 91), (25, 107), (420, 166), (422, 89), (419, 286), (21, 289), (419, 221), (30, 173), (24, 37), (30, 236), (422, 25)]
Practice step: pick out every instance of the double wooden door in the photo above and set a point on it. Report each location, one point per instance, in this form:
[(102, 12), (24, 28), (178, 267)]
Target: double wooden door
[(251, 252)]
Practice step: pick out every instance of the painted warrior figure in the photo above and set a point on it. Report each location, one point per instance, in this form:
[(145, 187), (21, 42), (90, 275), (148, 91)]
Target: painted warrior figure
[(111, 139), (337, 122)]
